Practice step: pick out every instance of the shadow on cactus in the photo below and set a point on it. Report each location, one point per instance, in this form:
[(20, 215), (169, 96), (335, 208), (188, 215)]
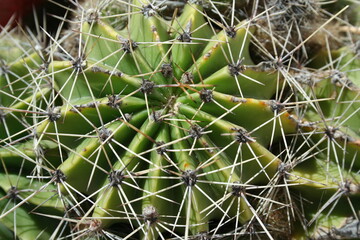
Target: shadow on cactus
[(176, 129)]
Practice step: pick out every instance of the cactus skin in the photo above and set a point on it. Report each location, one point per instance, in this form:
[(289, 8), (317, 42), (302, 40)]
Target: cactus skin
[(173, 129)]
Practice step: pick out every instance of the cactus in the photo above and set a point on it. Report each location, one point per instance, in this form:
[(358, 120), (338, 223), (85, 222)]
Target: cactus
[(141, 123)]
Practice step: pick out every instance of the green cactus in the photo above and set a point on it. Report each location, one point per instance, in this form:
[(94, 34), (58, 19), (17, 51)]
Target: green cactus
[(183, 126)]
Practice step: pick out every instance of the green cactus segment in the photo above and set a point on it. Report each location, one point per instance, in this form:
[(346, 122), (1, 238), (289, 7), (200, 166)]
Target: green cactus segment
[(193, 199), (335, 186), (11, 121), (93, 157), (191, 32), (13, 189), (158, 204), (221, 164), (323, 176), (227, 47), (27, 226), (29, 155), (5, 232), (119, 187), (146, 26), (343, 109), (348, 62), (336, 128), (94, 82), (238, 79), (107, 46), (13, 47), (88, 114), (339, 147), (252, 114), (19, 96), (26, 103), (16, 79), (221, 171), (114, 49), (234, 137), (23, 188), (338, 223)]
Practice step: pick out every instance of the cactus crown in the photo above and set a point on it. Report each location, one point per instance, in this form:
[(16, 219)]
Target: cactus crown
[(173, 120)]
